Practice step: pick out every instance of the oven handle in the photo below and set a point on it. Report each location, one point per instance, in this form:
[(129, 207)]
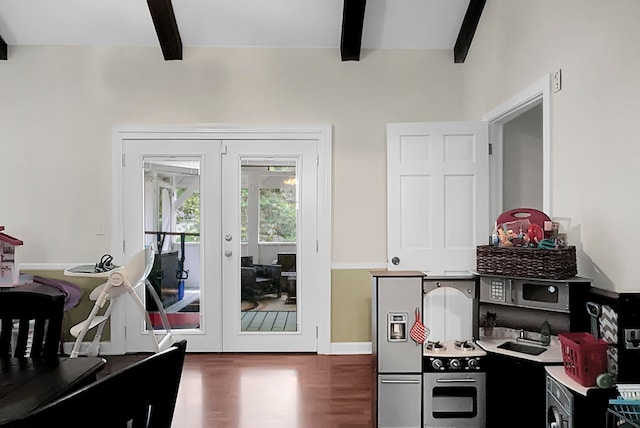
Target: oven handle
[(401, 381), (455, 380)]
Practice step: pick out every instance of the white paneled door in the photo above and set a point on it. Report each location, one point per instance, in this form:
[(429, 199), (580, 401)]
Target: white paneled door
[(437, 195)]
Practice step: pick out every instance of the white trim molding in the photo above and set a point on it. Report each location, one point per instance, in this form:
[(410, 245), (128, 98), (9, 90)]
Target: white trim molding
[(50, 266), (538, 92)]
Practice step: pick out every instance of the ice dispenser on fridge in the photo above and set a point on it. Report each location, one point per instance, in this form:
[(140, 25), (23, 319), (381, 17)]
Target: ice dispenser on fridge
[(397, 327)]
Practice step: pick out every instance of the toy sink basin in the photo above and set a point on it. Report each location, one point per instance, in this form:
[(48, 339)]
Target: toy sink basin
[(524, 349)]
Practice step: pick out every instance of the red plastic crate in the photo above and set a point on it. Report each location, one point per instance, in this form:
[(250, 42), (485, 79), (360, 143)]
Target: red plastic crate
[(584, 357)]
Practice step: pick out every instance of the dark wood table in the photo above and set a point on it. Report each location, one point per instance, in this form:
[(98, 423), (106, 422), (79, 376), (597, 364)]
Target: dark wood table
[(29, 383)]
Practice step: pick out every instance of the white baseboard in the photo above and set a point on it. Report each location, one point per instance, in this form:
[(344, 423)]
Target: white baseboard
[(337, 348), (346, 348)]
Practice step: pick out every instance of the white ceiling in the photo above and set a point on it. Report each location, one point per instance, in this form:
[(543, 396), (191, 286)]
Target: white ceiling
[(389, 24)]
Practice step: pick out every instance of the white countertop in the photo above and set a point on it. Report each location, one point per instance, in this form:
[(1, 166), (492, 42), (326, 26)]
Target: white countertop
[(558, 373), (552, 355)]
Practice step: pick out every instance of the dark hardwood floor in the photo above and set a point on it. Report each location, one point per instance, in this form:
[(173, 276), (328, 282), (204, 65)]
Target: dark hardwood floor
[(271, 390)]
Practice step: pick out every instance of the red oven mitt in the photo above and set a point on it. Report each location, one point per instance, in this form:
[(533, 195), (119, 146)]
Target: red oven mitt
[(418, 331)]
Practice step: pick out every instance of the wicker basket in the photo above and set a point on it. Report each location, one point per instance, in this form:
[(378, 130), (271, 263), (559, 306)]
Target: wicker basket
[(525, 262)]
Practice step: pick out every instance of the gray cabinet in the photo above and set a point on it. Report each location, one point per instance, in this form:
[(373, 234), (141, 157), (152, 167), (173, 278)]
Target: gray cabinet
[(399, 401)]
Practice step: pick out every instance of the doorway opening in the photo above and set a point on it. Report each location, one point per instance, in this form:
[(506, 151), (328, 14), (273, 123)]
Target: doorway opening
[(531, 106)]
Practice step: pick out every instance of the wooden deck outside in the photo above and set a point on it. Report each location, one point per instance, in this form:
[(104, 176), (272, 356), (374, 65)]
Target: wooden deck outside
[(269, 321)]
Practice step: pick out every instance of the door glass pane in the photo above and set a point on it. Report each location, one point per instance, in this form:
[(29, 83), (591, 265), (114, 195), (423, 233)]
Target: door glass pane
[(269, 227), (172, 222)]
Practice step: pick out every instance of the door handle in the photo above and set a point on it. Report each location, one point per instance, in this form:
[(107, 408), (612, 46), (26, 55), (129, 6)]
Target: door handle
[(401, 381), (228, 253), (455, 380)]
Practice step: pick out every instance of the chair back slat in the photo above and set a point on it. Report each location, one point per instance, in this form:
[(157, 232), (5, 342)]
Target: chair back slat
[(38, 340), (6, 330), (23, 336)]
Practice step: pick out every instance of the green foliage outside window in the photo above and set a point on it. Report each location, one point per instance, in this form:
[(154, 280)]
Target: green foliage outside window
[(278, 215), (244, 202), (188, 216)]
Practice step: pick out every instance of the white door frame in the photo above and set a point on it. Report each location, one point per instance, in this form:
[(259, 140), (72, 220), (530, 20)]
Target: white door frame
[(538, 92), (322, 134)]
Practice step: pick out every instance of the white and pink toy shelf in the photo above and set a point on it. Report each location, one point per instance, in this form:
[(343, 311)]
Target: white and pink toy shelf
[(9, 272)]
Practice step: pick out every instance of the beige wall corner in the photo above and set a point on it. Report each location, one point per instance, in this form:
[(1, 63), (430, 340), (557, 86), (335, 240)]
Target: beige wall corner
[(350, 305)]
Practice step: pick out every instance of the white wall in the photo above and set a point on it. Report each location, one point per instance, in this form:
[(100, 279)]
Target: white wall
[(595, 124), (59, 106)]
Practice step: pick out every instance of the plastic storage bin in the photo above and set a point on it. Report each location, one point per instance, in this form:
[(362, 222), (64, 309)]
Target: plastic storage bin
[(584, 357), (627, 412)]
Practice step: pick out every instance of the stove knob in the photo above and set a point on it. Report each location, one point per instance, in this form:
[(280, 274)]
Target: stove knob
[(437, 364), (472, 364), (454, 363)]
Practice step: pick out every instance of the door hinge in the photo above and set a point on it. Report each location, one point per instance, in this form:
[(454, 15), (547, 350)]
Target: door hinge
[(123, 163), (490, 148)]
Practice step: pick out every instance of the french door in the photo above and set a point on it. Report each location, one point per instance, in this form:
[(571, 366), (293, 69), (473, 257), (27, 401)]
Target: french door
[(281, 180), (157, 174), (190, 198)]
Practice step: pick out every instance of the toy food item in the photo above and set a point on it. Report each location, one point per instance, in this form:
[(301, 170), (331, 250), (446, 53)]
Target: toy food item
[(535, 233)]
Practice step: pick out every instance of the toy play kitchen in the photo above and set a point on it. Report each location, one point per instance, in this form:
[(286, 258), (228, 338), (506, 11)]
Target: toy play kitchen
[(429, 371), (522, 341)]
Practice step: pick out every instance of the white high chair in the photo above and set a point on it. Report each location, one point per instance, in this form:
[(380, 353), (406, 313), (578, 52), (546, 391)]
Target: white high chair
[(121, 281)]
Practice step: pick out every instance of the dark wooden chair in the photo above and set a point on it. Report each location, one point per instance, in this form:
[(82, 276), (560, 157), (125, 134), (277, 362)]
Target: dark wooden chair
[(38, 316), (248, 281), (141, 395)]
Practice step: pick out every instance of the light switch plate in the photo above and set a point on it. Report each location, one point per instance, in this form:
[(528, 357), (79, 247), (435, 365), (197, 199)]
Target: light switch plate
[(557, 80)]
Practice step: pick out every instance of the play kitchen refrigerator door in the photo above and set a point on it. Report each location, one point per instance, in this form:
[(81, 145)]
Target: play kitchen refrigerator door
[(397, 336)]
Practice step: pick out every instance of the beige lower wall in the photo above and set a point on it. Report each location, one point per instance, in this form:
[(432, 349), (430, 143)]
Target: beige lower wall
[(350, 305)]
